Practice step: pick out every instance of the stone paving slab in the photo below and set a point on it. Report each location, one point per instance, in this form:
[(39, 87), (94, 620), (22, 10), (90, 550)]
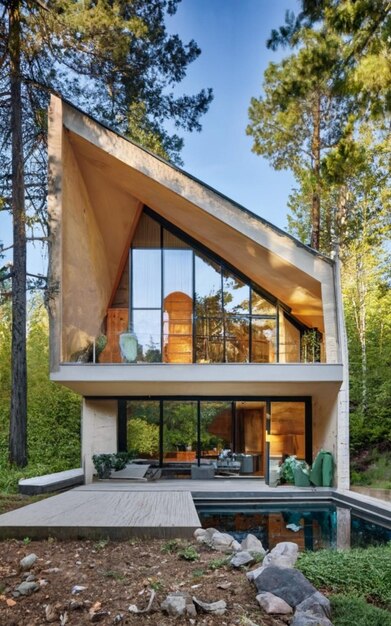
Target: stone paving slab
[(107, 513)]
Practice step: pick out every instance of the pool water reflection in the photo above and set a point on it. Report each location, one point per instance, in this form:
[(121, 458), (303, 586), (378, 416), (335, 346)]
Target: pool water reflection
[(311, 526)]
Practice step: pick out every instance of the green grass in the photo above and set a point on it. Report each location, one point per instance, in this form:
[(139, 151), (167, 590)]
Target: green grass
[(348, 610), (11, 501), (359, 572)]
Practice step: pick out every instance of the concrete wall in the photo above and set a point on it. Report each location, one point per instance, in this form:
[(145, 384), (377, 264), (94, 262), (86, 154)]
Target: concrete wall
[(99, 432), (86, 284)]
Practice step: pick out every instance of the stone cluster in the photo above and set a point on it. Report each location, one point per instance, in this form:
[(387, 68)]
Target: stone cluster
[(282, 589)]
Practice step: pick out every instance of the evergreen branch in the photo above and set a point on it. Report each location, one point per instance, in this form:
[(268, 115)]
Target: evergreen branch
[(4, 277), (38, 276)]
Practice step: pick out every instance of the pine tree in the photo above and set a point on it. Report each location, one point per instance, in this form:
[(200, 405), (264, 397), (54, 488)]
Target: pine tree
[(114, 60)]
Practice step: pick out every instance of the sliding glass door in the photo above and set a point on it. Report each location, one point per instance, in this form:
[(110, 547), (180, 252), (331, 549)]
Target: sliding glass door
[(258, 433)]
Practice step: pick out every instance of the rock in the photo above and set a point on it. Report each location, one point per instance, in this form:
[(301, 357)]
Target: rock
[(118, 618), (223, 542), (204, 535), (78, 589), (252, 575), (217, 608), (317, 604), (26, 589), (306, 618), (286, 583), (76, 606), (28, 561), (273, 605), (30, 578), (225, 585), (241, 558), (252, 545), (284, 554), (178, 604)]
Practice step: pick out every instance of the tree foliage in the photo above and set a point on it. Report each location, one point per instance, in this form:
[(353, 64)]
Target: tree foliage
[(325, 115), (114, 59), (315, 102), (53, 411)]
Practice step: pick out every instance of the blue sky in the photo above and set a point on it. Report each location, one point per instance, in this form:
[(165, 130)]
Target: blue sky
[(232, 36)]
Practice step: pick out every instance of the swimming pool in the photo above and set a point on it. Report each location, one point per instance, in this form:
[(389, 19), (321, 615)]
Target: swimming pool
[(312, 526)]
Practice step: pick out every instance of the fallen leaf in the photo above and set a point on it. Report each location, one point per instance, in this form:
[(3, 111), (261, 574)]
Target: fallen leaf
[(10, 602), (95, 608)]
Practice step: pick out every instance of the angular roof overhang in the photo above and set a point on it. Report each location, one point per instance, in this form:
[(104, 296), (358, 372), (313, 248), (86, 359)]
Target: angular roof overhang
[(119, 177)]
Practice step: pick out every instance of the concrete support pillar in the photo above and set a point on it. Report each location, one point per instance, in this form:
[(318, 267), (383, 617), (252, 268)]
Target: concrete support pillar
[(98, 432), (343, 528)]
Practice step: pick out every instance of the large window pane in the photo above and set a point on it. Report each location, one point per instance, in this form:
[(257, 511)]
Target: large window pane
[(236, 295), (263, 341), (143, 428), (260, 306), (216, 428), (147, 328), (179, 432), (178, 272), (147, 290), (207, 287), (237, 339), (289, 341), (178, 306), (209, 340), (287, 430)]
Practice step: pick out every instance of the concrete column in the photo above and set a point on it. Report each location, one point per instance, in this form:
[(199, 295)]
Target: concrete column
[(343, 451), (98, 432), (343, 528)]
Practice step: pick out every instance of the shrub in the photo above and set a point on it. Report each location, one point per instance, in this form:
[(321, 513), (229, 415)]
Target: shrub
[(360, 572), (348, 610)]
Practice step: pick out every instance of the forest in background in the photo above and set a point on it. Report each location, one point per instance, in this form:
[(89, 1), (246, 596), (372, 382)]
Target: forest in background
[(324, 113)]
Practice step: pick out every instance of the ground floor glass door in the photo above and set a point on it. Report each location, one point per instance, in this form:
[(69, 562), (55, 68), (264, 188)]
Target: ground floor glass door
[(257, 433), (285, 434)]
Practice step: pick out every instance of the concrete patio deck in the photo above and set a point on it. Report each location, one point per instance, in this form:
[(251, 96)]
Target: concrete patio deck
[(163, 509)]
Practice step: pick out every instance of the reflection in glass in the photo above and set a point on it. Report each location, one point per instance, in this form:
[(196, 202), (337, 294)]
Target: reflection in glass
[(207, 287), (178, 328), (216, 428), (143, 428), (287, 430), (146, 278), (263, 340), (209, 340), (179, 431), (260, 306), (289, 341), (237, 339), (183, 287), (236, 294), (147, 328), (178, 272)]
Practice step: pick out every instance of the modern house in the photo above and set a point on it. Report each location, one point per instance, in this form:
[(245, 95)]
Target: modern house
[(188, 324)]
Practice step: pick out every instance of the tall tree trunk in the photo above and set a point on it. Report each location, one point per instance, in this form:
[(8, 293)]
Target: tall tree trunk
[(315, 149), (18, 418)]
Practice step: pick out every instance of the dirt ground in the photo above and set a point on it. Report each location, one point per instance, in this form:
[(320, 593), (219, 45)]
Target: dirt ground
[(114, 576)]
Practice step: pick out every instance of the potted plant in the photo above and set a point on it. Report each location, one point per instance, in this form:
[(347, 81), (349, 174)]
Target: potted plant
[(103, 464)]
